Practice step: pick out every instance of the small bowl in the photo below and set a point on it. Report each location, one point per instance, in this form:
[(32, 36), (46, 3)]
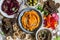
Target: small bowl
[(42, 28), (5, 14), (31, 6), (20, 23)]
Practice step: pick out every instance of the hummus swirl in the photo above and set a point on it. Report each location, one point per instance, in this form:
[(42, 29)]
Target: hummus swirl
[(30, 20)]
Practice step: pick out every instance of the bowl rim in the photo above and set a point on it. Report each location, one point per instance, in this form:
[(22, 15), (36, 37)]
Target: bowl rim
[(20, 24)]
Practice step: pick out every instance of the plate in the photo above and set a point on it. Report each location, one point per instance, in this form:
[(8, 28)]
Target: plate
[(12, 16)]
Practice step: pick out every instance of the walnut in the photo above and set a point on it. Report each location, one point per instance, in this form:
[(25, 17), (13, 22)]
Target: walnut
[(15, 27)]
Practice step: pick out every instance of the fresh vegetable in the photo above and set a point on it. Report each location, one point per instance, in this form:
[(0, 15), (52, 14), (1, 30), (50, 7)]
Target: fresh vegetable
[(42, 10), (50, 13), (51, 21), (2, 33), (55, 16), (57, 38), (39, 8)]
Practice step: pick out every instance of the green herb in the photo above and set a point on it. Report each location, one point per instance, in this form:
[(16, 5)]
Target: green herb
[(57, 38), (45, 13), (39, 8), (2, 33), (42, 10)]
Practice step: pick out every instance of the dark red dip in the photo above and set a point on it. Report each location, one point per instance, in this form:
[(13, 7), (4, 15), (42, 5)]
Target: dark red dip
[(10, 6)]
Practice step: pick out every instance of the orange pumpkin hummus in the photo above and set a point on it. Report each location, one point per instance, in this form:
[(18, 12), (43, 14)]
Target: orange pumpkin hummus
[(30, 20)]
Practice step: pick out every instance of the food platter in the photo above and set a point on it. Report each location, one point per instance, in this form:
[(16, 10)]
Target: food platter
[(29, 19)]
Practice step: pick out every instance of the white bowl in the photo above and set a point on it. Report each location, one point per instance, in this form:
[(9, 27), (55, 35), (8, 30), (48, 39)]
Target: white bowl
[(5, 14)]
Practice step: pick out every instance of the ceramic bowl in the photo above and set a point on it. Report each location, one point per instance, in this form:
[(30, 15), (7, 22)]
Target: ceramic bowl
[(21, 14)]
